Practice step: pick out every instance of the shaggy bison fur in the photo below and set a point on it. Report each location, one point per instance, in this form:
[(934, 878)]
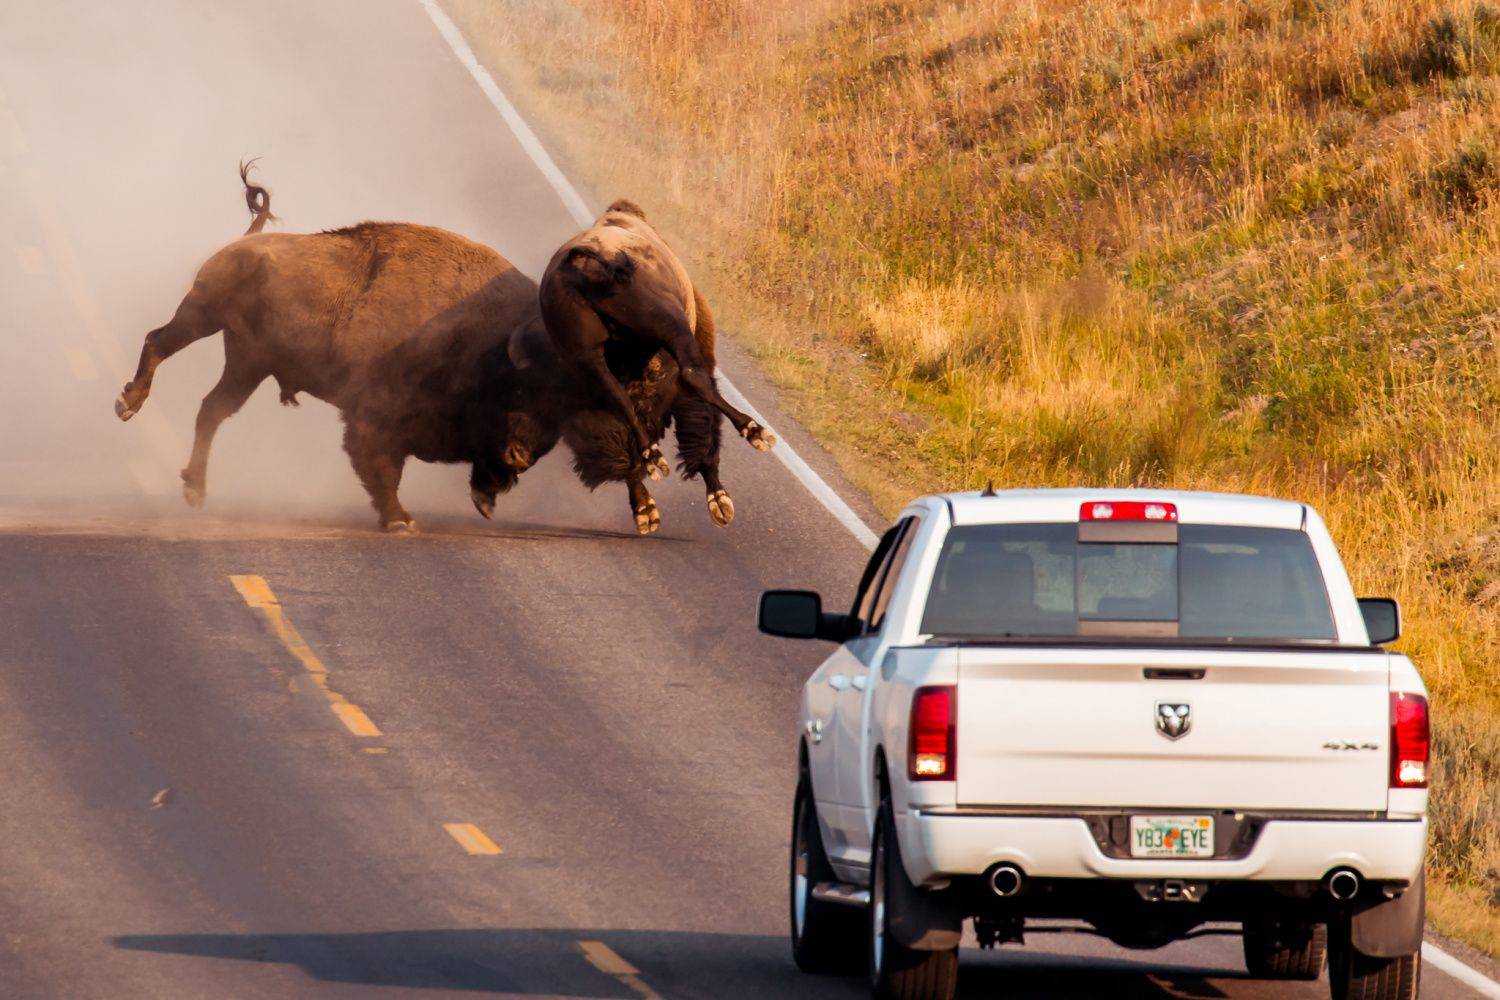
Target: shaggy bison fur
[(602, 443)]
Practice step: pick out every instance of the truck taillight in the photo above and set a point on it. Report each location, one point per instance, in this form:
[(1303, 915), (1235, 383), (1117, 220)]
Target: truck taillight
[(1411, 740), (932, 752), (1127, 510)]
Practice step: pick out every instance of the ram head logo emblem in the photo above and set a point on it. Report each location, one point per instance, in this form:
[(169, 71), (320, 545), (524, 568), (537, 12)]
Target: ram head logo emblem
[(1174, 719)]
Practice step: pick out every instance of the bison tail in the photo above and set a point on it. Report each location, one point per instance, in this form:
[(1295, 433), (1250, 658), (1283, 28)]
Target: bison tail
[(628, 207), (257, 199)]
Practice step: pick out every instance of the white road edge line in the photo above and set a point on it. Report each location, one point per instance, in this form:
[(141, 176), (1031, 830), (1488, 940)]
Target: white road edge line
[(578, 208), (1466, 974), (816, 485)]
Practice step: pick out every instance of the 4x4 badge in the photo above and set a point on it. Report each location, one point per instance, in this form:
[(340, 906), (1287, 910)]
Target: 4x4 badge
[(1174, 719)]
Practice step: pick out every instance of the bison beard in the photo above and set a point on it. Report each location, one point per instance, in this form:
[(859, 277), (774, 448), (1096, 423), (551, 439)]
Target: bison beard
[(404, 328)]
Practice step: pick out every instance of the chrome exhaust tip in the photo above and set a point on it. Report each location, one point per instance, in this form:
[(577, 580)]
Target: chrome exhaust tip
[(1006, 881), (1343, 884)]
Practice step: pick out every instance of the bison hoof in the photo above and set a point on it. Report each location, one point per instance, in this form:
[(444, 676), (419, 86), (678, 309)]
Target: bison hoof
[(656, 465), (483, 502), (401, 527), (193, 494), (720, 508), (518, 457), (123, 410), (760, 439), (647, 518)]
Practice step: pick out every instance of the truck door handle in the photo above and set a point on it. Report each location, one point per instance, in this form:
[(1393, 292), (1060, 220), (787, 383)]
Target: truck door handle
[(860, 682), (814, 730), (838, 681)]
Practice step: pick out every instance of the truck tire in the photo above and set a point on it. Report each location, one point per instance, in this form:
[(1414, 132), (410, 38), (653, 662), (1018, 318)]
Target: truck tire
[(1285, 950), (826, 937), (898, 972), (1353, 975)]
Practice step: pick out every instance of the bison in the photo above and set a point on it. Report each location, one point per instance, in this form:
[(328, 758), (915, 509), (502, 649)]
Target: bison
[(404, 328), (622, 315)]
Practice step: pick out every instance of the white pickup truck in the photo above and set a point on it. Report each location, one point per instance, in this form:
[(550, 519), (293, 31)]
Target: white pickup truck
[(1144, 711)]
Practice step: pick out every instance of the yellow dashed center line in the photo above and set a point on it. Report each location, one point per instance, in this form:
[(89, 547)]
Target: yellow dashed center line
[(353, 717), (258, 594), (608, 961), (471, 838)]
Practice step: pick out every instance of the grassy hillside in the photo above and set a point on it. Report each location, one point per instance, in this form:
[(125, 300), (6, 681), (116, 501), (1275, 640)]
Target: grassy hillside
[(1244, 245)]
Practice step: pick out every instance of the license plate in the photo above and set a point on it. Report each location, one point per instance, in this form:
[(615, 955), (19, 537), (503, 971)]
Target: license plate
[(1171, 836)]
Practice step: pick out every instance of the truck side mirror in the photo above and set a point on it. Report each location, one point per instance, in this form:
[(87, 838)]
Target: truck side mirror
[(798, 614), (1382, 619)]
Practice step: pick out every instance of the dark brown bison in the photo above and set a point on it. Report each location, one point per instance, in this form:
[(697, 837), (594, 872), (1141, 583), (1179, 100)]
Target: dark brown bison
[(624, 317), (403, 328)]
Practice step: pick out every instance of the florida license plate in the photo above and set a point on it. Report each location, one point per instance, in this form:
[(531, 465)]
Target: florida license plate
[(1171, 836)]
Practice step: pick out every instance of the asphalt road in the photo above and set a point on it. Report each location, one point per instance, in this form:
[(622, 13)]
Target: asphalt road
[(298, 786)]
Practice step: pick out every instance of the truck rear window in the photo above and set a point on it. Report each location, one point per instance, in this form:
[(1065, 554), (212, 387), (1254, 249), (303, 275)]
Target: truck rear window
[(1216, 582)]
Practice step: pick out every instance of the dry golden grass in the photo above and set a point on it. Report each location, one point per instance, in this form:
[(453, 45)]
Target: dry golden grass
[(1228, 244)]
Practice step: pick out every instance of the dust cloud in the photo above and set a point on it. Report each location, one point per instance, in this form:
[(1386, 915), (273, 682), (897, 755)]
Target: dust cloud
[(118, 179)]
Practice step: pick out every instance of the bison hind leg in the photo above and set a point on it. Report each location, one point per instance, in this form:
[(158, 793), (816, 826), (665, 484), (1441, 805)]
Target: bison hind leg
[(379, 467), (224, 400), (195, 319)]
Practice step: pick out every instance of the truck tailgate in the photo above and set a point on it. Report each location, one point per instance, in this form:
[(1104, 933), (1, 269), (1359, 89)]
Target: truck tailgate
[(1266, 729)]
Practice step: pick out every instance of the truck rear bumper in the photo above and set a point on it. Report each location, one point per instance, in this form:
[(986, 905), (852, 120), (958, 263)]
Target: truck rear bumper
[(937, 844)]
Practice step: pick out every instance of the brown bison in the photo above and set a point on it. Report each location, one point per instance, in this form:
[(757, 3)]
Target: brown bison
[(403, 328), (623, 316)]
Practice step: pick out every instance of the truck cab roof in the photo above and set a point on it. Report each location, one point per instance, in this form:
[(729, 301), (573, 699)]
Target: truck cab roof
[(1058, 505)]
